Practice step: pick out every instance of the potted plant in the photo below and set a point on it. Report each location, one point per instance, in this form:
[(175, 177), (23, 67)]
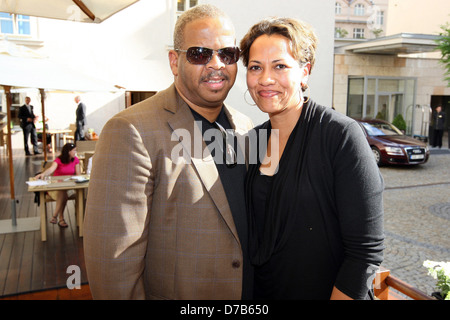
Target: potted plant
[(399, 122), (441, 272)]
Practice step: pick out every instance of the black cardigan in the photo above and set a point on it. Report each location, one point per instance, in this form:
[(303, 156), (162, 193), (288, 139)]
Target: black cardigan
[(326, 216)]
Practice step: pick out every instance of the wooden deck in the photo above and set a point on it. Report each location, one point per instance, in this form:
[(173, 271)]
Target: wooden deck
[(28, 265)]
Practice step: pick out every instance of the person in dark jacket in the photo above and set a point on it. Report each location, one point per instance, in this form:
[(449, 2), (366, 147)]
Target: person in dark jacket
[(27, 117), (314, 196), (80, 119), (439, 125)]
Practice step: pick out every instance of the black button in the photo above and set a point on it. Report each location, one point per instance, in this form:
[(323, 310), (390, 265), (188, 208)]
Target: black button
[(236, 264)]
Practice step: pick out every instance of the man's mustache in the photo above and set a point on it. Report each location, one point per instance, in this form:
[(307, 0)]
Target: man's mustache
[(214, 74)]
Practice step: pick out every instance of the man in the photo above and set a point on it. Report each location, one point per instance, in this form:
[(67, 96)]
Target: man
[(27, 118), (159, 226), (80, 119), (439, 123)]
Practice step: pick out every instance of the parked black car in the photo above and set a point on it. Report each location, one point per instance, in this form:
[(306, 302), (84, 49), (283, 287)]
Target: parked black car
[(391, 146)]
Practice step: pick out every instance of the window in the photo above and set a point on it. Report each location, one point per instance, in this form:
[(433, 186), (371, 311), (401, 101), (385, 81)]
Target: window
[(359, 9), (6, 23), (183, 5), (382, 98), (14, 24), (337, 8), (380, 18), (358, 33), (23, 24)]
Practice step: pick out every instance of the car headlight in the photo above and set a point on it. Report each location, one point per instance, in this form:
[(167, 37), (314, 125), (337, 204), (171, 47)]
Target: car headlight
[(394, 151)]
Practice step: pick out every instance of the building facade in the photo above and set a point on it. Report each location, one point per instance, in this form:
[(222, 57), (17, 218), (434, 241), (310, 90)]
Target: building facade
[(360, 19), (398, 73)]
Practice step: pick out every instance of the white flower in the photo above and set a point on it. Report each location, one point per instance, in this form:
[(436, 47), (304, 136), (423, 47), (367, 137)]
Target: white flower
[(441, 272)]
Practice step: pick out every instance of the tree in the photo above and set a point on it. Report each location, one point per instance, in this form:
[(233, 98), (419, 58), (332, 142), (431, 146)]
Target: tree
[(377, 32), (443, 44)]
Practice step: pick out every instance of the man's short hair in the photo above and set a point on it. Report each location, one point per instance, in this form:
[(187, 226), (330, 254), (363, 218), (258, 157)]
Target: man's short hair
[(195, 13)]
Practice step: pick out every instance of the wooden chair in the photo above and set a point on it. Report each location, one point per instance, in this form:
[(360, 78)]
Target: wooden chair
[(71, 136), (85, 149), (87, 156), (4, 138), (85, 146)]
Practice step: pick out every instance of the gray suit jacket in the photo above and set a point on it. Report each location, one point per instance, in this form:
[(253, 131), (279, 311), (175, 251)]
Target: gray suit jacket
[(156, 228)]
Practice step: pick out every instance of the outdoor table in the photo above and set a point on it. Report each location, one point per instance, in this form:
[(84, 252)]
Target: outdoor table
[(77, 183), (53, 133)]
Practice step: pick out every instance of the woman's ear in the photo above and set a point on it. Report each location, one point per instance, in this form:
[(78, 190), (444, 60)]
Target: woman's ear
[(305, 74), (306, 69)]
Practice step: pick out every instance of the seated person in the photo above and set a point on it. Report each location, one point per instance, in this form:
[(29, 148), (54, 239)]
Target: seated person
[(48, 136), (66, 164)]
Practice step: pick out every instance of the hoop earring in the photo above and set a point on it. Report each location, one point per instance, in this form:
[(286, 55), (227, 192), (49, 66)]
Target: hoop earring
[(304, 90), (245, 99)]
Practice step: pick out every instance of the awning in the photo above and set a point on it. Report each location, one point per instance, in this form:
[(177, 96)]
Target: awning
[(403, 43), (94, 11)]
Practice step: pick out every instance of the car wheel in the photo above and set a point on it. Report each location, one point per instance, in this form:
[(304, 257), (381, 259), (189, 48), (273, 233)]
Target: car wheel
[(377, 155)]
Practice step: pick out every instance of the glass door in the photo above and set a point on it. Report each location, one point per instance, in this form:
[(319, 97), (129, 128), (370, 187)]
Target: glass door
[(383, 107), (389, 105)]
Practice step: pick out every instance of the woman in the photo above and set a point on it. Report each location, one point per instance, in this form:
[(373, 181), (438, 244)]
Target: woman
[(315, 201), (66, 164)]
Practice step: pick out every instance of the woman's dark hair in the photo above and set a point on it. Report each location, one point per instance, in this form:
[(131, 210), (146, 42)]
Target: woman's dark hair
[(300, 34), (65, 157)]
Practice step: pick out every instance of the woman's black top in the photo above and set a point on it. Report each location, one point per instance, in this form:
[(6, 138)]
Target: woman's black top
[(318, 222)]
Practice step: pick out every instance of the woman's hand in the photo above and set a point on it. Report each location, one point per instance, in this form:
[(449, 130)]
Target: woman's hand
[(39, 176)]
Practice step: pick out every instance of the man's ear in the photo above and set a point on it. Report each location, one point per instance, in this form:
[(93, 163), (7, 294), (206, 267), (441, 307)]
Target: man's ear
[(173, 61)]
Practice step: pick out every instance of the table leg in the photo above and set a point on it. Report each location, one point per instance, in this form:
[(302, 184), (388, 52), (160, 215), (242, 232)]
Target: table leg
[(80, 211), (43, 215), (53, 144)]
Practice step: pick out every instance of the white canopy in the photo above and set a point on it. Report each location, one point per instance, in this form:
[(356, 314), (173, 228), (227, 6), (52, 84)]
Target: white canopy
[(94, 11), (22, 67)]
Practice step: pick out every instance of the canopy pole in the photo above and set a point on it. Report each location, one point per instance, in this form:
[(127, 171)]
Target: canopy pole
[(44, 130), (11, 168), (85, 9)]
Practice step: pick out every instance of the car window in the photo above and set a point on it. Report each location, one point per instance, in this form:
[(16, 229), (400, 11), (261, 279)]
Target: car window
[(380, 129)]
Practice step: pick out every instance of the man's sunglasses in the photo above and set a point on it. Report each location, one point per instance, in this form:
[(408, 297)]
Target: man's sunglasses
[(201, 55)]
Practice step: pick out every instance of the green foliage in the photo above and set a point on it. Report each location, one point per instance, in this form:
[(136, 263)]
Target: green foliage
[(399, 122), (443, 44), (377, 32), (441, 272)]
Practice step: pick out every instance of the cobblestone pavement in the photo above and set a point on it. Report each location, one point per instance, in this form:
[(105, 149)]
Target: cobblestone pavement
[(417, 218)]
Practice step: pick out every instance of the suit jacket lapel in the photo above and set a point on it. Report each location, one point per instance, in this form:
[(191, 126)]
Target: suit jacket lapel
[(240, 127), (190, 136)]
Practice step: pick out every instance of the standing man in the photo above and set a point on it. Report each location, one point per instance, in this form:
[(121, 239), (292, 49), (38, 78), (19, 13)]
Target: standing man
[(80, 119), (159, 226), (27, 118), (439, 123)]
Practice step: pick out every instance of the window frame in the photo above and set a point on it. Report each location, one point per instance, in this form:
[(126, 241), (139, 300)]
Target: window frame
[(16, 20), (359, 10), (187, 4), (359, 33), (337, 8)]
